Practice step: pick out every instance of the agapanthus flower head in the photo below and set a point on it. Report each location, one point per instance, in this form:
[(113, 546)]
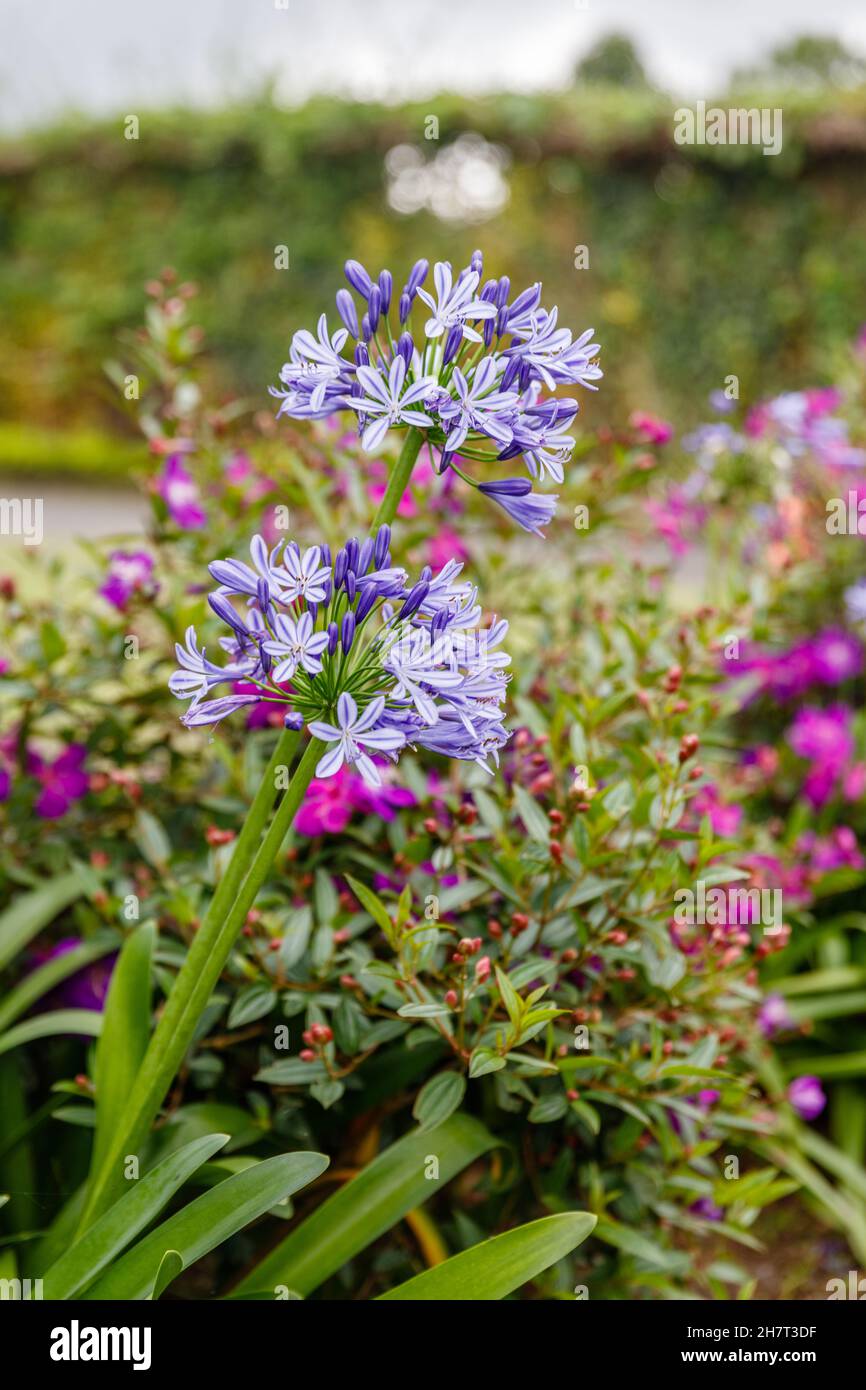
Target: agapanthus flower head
[(469, 376), (350, 647)]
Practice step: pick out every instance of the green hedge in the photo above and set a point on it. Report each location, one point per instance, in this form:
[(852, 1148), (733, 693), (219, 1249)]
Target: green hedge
[(703, 261)]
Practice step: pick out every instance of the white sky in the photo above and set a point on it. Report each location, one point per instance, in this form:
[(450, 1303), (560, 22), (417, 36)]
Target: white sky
[(110, 56)]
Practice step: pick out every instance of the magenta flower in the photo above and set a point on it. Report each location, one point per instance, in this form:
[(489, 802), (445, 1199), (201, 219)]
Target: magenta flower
[(724, 818), (774, 1016), (181, 495), (86, 988), (824, 737), (383, 801), (63, 781), (707, 1209), (327, 807), (837, 656), (650, 429), (838, 850), (128, 571), (807, 1097), (829, 658), (677, 519)]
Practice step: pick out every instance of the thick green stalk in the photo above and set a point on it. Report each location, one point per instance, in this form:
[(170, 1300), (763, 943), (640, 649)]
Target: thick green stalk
[(399, 480), (248, 868)]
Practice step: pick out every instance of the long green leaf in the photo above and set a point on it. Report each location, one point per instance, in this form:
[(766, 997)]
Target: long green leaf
[(207, 1222), (52, 973), (35, 910), (497, 1267), (124, 1038), (86, 1259), (78, 1021), (369, 1205)]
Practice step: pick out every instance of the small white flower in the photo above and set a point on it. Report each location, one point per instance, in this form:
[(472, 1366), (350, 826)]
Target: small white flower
[(297, 644), (350, 736), (456, 303), (388, 403)]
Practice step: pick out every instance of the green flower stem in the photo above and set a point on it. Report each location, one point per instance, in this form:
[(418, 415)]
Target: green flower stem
[(399, 480), (248, 868)]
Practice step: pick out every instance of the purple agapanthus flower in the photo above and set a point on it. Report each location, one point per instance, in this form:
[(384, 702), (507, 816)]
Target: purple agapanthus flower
[(471, 382), (370, 662), (181, 495), (529, 509)]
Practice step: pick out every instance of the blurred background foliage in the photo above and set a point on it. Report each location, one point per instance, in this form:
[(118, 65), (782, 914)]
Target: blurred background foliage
[(702, 261)]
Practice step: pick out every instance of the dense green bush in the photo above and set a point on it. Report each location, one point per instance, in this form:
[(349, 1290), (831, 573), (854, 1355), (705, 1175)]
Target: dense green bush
[(472, 996)]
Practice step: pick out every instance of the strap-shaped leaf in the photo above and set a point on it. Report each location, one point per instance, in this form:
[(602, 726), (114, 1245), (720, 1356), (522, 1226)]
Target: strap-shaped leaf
[(85, 1022), (37, 909), (207, 1222), (125, 1034), (496, 1267), (46, 977), (398, 1180), (86, 1259)]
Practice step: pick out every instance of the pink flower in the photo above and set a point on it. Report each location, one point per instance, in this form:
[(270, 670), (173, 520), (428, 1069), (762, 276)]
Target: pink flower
[(63, 781), (181, 495), (807, 1097), (445, 544), (676, 518), (819, 734), (128, 571), (330, 802), (240, 472), (822, 400), (327, 807), (837, 656), (650, 429), (854, 782), (383, 801), (774, 1016), (724, 817)]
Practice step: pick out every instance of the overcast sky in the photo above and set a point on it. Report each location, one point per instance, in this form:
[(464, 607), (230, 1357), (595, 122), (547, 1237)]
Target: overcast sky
[(112, 56)]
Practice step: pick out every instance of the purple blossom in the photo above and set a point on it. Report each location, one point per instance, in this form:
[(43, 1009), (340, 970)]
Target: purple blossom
[(388, 403), (393, 663), (483, 400), (529, 509), (774, 1015), (63, 780), (807, 1097), (352, 736), (128, 571), (181, 496)]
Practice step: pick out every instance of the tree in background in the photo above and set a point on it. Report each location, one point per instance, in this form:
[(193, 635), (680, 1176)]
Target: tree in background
[(813, 60), (612, 61)]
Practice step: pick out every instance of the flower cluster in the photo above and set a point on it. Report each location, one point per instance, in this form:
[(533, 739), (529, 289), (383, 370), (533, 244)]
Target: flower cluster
[(347, 646), (472, 386), (804, 422), (825, 738), (830, 658)]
